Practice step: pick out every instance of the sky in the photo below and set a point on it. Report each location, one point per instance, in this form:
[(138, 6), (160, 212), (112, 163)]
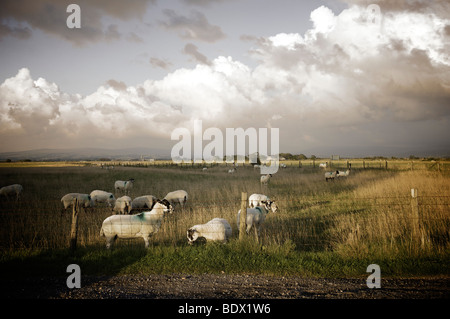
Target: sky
[(336, 77)]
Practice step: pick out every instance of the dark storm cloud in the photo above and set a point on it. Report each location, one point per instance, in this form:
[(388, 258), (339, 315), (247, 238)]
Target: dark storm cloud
[(51, 16)]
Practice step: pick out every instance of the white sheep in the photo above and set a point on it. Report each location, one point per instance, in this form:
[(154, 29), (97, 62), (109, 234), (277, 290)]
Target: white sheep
[(323, 165), (232, 171), (257, 200), (143, 202), (283, 165), (217, 229), (142, 225), (265, 179), (255, 216), (83, 200), (330, 175), (124, 185), (342, 173), (123, 205), (99, 196), (177, 197), (11, 190)]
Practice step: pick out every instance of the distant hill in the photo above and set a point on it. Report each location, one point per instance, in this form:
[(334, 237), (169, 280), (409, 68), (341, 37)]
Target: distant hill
[(86, 154)]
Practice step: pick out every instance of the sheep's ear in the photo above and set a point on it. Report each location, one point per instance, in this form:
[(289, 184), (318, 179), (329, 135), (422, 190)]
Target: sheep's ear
[(264, 202)]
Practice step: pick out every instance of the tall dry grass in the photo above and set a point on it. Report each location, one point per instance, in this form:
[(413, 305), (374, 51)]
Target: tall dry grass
[(367, 213)]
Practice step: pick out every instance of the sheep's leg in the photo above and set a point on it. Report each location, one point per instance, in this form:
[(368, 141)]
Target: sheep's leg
[(147, 241)]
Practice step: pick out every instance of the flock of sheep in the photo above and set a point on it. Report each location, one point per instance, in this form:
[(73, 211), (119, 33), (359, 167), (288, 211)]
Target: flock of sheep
[(126, 223)]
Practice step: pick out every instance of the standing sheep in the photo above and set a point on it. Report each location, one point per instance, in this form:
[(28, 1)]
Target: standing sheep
[(83, 200), (330, 175), (177, 197), (123, 205), (265, 179), (11, 190), (255, 216), (217, 229), (99, 196), (143, 202), (124, 185), (257, 200), (142, 225)]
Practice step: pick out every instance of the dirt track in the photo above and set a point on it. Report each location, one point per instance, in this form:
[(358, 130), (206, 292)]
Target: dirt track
[(208, 286)]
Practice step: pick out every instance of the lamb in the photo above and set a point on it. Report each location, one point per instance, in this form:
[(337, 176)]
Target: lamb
[(143, 202), (255, 216), (123, 205), (99, 196), (11, 190), (217, 229), (330, 175), (265, 179), (124, 185), (142, 225), (177, 197), (257, 200), (83, 200)]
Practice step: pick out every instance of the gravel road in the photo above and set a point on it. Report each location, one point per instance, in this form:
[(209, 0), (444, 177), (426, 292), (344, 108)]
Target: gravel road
[(223, 286)]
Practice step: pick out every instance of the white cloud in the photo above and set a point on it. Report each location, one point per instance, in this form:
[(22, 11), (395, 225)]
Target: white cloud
[(324, 86)]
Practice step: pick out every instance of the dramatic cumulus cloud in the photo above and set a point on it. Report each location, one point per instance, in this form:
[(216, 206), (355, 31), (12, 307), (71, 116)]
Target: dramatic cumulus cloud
[(349, 81), (18, 18)]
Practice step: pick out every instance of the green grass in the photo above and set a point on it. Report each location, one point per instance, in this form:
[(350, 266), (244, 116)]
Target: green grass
[(333, 229)]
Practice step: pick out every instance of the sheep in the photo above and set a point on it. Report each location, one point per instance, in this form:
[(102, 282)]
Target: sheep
[(123, 205), (84, 200), (232, 171), (323, 165), (330, 175), (177, 197), (99, 196), (11, 190), (142, 225), (255, 216), (124, 185), (204, 169), (217, 229), (282, 165), (265, 179), (257, 199), (143, 202), (342, 173)]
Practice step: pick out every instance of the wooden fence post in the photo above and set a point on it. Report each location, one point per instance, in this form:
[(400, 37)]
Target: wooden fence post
[(417, 229), (243, 216), (74, 227)]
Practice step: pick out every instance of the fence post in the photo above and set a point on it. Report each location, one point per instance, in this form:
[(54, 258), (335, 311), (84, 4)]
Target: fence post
[(243, 216), (74, 227), (417, 229)]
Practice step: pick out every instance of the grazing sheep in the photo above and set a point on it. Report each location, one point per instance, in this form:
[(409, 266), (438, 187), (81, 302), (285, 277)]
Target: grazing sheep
[(330, 175), (143, 202), (232, 171), (257, 200), (177, 197), (11, 190), (255, 216), (342, 173), (99, 196), (124, 185), (123, 205), (204, 169), (142, 225), (265, 179), (217, 229), (84, 200)]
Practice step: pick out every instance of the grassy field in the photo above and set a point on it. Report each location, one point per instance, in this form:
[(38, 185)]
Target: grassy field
[(333, 229)]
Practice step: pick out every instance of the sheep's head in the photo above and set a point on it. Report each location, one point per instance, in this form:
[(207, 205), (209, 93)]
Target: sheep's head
[(192, 235), (168, 207)]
